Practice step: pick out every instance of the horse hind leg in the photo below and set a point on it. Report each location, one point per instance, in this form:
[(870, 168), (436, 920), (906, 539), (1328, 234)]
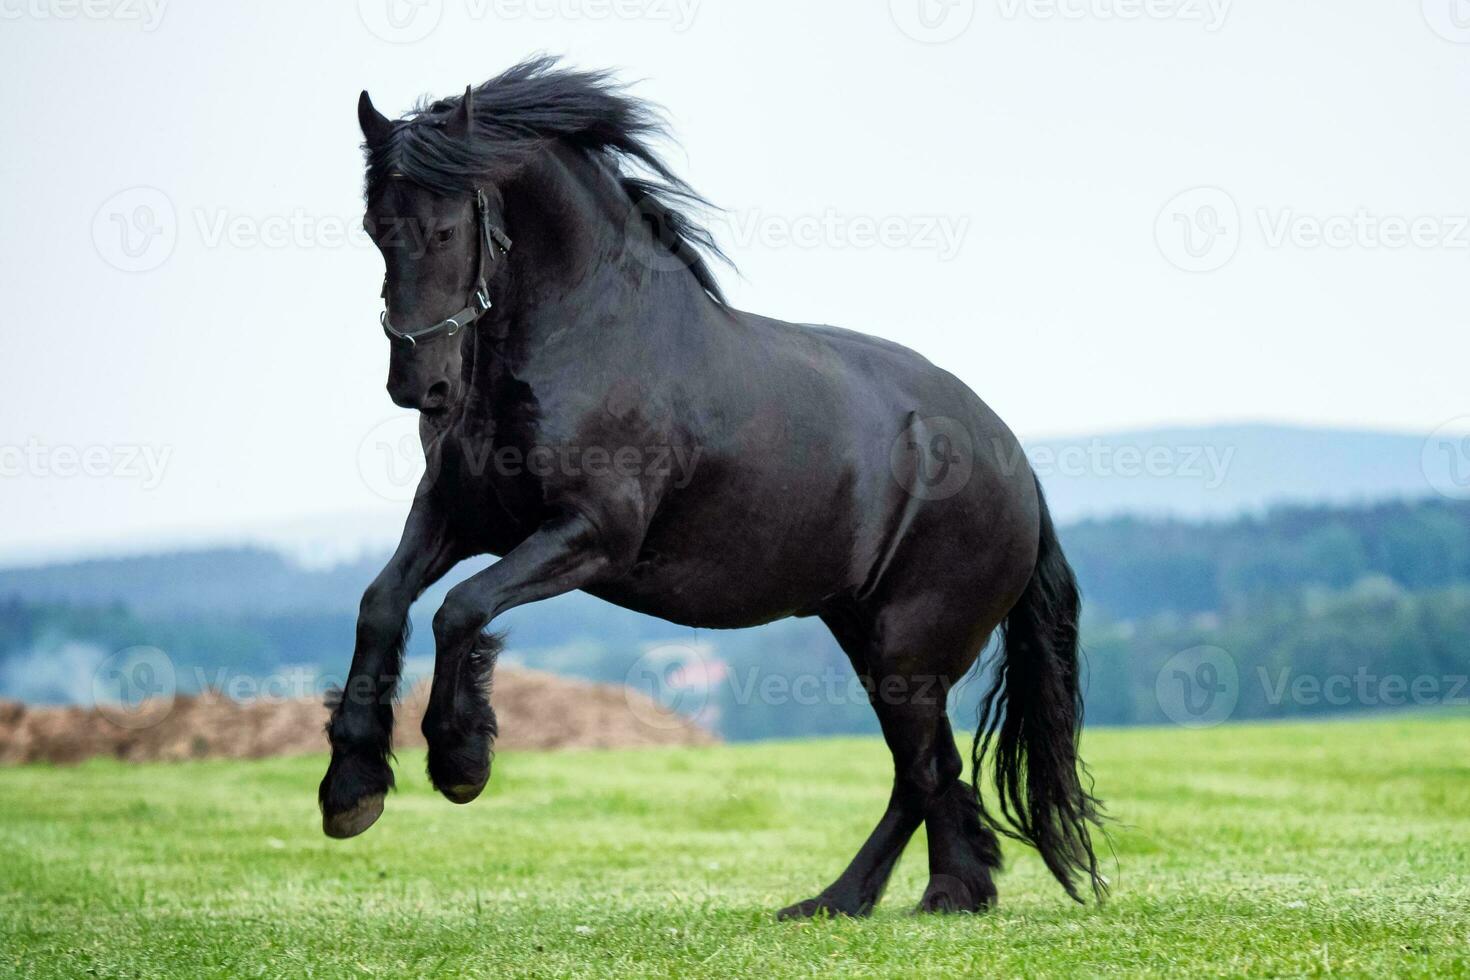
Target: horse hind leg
[(909, 733), (964, 854), (910, 709)]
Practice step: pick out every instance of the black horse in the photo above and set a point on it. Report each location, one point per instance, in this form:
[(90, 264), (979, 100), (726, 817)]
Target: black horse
[(833, 475)]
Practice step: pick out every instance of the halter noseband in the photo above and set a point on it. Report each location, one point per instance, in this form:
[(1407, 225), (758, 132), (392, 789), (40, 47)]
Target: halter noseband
[(479, 300)]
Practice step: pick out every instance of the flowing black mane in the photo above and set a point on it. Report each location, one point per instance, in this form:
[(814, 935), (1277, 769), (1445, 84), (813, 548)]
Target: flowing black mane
[(535, 102)]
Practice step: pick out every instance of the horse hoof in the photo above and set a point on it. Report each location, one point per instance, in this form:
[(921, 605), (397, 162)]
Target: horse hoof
[(801, 910), (355, 819), (464, 792), (460, 783), (814, 907), (948, 894)]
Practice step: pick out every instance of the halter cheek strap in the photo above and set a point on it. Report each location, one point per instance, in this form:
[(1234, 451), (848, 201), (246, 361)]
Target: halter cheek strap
[(479, 303)]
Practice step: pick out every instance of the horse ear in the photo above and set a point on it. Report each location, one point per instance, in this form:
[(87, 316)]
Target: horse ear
[(375, 126), (461, 122)]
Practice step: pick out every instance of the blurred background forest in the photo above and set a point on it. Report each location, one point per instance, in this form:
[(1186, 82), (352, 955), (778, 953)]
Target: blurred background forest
[(1318, 570)]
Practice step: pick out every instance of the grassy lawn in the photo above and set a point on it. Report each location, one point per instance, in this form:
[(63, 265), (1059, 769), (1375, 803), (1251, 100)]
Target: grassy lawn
[(1338, 848)]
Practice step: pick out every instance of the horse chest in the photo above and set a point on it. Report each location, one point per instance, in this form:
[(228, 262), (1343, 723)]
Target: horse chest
[(494, 481)]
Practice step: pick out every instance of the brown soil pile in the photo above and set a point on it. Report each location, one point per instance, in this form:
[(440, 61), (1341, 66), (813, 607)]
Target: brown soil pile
[(535, 711)]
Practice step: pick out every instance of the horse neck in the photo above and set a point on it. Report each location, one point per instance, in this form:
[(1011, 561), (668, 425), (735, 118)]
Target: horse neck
[(582, 251)]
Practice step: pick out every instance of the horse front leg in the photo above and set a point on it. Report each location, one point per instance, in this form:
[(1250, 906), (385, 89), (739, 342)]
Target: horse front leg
[(361, 725), (459, 724)]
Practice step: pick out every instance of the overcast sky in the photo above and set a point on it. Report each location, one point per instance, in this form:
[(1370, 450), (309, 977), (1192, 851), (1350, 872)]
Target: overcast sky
[(1100, 214)]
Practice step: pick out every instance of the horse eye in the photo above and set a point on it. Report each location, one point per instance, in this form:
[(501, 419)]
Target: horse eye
[(444, 236)]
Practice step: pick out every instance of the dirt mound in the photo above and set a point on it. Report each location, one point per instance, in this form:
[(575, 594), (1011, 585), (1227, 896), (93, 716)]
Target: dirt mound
[(535, 711)]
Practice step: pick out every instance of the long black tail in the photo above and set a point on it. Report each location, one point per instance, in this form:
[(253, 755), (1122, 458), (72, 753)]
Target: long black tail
[(1031, 719)]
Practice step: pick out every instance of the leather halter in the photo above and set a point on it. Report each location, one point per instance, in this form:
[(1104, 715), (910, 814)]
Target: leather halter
[(479, 303)]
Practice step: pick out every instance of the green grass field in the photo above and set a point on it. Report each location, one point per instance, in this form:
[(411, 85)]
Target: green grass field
[(1338, 848)]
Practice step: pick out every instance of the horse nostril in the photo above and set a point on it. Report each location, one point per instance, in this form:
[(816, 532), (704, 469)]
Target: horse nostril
[(437, 395)]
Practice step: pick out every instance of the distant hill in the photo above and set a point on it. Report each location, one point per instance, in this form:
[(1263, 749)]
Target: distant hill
[(200, 581), (1207, 472), (1284, 545), (1318, 590), (1223, 471)]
